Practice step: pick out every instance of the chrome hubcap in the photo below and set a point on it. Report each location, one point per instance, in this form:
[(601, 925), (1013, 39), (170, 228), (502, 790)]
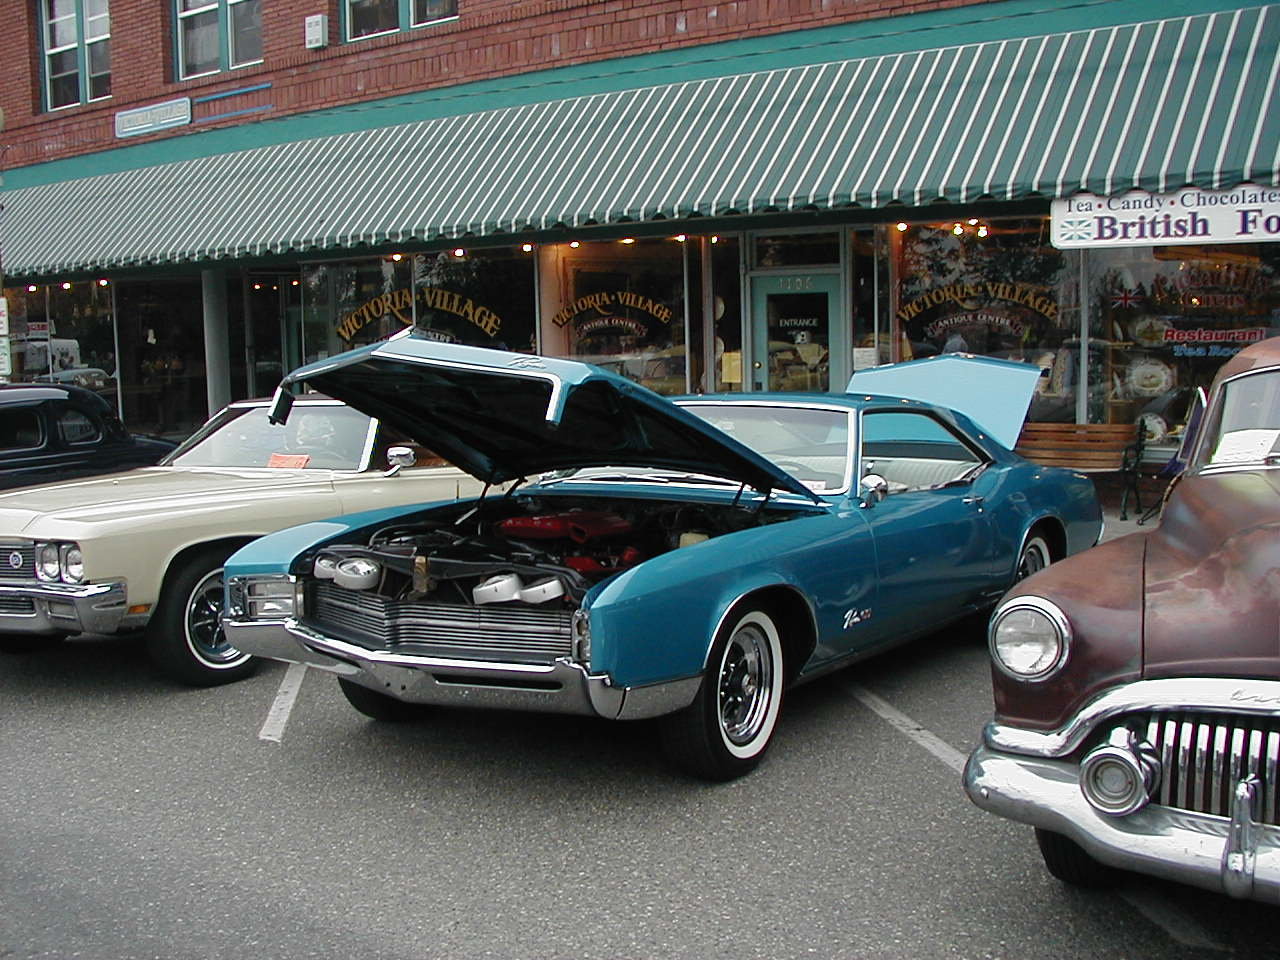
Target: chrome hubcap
[(746, 684), (1033, 560), (204, 632)]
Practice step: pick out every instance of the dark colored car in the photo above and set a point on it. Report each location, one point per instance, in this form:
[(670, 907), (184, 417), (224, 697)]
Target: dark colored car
[(53, 431), (1137, 685)]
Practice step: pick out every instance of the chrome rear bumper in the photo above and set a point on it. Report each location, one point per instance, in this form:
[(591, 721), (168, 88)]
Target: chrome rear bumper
[(1233, 855), (561, 686), (56, 608)]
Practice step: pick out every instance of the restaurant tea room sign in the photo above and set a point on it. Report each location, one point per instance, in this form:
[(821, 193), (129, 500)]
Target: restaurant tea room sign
[(1244, 214)]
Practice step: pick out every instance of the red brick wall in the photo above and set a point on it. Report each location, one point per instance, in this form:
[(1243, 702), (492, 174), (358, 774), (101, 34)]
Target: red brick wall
[(491, 38)]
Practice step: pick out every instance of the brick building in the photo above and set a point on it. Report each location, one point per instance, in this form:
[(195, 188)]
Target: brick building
[(764, 194)]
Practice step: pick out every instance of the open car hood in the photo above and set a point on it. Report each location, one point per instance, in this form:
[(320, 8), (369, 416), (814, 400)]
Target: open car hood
[(501, 416), (993, 393)]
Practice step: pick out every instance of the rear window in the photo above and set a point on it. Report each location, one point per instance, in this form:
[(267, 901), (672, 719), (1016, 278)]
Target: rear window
[(19, 429)]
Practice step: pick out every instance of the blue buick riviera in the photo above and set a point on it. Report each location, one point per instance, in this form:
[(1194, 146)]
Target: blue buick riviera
[(642, 557)]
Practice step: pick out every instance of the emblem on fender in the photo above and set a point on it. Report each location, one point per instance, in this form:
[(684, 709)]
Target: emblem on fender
[(852, 617)]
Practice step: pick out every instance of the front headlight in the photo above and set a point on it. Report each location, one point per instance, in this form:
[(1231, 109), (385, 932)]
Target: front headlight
[(71, 560), (1029, 638), (48, 563), (269, 599)]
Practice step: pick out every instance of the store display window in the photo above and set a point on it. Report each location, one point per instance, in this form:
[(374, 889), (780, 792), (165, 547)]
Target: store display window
[(995, 288), (1164, 319), (619, 304), (63, 333)]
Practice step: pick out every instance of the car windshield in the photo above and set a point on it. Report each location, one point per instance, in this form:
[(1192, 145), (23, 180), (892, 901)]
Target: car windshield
[(810, 443), (316, 437), (1246, 424)]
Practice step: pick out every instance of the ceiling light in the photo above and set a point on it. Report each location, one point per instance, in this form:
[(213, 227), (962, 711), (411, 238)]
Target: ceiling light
[(681, 238), (66, 285), (103, 283), (627, 240), (957, 229), (575, 244), (459, 252), (902, 227), (715, 239), (397, 257), (32, 288), (527, 247)]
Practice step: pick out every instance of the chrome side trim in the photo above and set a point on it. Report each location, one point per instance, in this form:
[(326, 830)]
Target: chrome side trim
[(659, 699), (1201, 694), (1232, 856)]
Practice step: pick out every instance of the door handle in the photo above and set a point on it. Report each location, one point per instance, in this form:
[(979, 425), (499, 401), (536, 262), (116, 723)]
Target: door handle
[(973, 500)]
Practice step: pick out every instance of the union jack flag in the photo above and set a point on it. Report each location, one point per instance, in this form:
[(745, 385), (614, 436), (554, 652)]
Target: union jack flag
[(1126, 299)]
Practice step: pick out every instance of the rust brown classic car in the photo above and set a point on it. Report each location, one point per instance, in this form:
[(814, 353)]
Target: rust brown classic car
[(1137, 685)]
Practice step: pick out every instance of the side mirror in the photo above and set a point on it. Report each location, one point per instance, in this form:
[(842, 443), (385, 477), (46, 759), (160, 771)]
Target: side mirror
[(874, 489), (399, 458)]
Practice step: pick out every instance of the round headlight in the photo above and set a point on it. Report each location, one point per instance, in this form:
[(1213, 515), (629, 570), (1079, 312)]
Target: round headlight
[(72, 564), (47, 563), (357, 573), (324, 567), (1029, 637)]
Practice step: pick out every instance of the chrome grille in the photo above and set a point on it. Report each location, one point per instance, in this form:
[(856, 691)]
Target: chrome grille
[(1204, 756), (487, 631), (17, 606), (25, 551)]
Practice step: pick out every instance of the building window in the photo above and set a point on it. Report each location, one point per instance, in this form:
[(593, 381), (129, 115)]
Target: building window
[(218, 35), (77, 51), (368, 18)]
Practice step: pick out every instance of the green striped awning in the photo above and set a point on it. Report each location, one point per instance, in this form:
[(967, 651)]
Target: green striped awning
[(1157, 105)]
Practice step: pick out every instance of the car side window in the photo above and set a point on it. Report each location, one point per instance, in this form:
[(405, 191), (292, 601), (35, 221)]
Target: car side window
[(913, 451), (20, 429), (75, 426)]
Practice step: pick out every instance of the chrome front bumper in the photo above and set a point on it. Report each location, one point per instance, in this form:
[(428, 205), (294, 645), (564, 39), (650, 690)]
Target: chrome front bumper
[(56, 608), (1233, 855), (562, 686)]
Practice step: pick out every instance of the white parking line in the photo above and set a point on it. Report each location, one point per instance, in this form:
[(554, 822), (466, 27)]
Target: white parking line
[(278, 715), (948, 754), (1178, 925)]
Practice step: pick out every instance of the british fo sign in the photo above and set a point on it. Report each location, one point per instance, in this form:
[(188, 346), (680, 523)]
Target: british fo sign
[(1246, 214)]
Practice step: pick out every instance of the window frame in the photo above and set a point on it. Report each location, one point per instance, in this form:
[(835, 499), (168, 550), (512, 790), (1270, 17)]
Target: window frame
[(404, 20), (224, 10), (81, 45)]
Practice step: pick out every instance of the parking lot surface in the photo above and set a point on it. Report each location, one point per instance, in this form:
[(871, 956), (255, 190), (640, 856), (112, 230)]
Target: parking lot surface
[(269, 819)]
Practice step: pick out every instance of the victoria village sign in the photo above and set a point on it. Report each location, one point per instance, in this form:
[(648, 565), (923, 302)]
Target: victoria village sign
[(1245, 214)]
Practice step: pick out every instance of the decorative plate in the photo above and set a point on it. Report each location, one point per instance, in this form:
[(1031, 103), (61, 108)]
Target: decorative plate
[(1149, 377)]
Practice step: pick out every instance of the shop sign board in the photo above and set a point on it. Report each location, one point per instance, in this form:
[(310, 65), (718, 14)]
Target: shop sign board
[(157, 116), (1246, 214), (4, 316), (6, 366)]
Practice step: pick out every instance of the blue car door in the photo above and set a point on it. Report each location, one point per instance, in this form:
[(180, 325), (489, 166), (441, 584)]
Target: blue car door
[(933, 537)]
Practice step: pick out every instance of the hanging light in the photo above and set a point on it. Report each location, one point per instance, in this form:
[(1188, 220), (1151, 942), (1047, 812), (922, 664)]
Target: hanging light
[(66, 285), (32, 288), (397, 257), (973, 221), (982, 230), (715, 239)]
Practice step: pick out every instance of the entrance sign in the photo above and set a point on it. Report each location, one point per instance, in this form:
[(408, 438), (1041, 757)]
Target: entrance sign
[(1245, 214)]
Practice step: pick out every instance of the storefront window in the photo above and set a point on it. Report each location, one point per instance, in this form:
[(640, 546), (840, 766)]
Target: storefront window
[(1164, 319), (162, 362), (620, 305), (798, 249), (481, 298), (995, 288), (63, 333)]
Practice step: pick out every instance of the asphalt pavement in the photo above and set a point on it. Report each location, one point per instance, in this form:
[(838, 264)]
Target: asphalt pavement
[(269, 819)]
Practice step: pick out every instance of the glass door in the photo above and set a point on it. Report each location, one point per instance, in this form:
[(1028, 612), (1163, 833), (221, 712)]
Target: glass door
[(795, 332)]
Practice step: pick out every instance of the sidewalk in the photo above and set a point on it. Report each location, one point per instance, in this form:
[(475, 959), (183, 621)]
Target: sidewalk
[(1109, 492)]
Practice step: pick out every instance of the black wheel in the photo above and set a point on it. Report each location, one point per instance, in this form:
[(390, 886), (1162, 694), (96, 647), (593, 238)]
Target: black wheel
[(1067, 861), (377, 705), (1035, 557), (724, 733), (184, 637)]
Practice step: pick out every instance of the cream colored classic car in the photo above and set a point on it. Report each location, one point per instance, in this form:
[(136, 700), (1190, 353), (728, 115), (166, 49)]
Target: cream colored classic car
[(145, 548)]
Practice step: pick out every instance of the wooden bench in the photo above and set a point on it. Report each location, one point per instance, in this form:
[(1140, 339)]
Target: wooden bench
[(1088, 448)]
